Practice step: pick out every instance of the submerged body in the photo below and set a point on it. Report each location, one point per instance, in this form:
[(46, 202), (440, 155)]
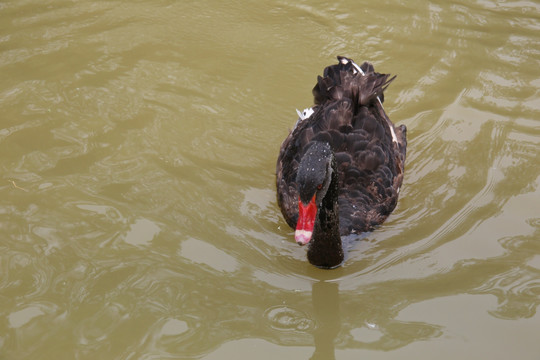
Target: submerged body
[(340, 169)]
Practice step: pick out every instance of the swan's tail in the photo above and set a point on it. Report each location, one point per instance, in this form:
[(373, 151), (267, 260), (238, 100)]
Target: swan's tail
[(346, 79)]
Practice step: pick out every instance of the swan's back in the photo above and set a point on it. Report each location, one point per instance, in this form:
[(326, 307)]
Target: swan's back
[(369, 151)]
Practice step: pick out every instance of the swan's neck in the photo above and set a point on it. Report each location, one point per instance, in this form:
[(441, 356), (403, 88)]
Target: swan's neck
[(325, 249)]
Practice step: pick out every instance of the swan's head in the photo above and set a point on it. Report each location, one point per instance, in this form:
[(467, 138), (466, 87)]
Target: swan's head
[(313, 179)]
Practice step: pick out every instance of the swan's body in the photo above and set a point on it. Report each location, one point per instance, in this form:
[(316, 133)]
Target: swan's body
[(342, 165)]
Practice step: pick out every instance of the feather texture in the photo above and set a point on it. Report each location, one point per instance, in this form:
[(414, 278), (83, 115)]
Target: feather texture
[(369, 151)]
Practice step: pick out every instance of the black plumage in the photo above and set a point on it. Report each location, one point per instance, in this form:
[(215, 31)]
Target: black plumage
[(367, 154)]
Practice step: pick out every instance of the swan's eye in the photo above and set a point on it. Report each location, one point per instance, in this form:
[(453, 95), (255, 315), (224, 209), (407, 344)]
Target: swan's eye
[(319, 187)]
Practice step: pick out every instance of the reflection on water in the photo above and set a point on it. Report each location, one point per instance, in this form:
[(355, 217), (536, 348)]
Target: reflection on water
[(325, 297), (137, 207)]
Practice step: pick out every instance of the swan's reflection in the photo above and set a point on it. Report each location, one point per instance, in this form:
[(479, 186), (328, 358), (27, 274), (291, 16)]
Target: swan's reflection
[(325, 297)]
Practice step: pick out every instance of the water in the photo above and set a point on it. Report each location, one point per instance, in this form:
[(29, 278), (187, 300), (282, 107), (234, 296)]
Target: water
[(137, 205)]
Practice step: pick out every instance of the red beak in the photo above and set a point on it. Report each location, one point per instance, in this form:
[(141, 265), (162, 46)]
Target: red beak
[(306, 221)]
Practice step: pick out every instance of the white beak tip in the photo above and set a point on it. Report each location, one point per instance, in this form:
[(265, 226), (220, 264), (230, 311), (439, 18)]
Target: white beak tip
[(302, 237)]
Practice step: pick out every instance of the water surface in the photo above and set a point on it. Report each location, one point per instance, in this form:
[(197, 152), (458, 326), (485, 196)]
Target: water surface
[(138, 219)]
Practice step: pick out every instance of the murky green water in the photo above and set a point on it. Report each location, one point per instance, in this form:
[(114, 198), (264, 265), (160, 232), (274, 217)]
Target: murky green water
[(138, 219)]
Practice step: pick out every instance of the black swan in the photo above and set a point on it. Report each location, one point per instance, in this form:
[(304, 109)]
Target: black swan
[(340, 169)]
